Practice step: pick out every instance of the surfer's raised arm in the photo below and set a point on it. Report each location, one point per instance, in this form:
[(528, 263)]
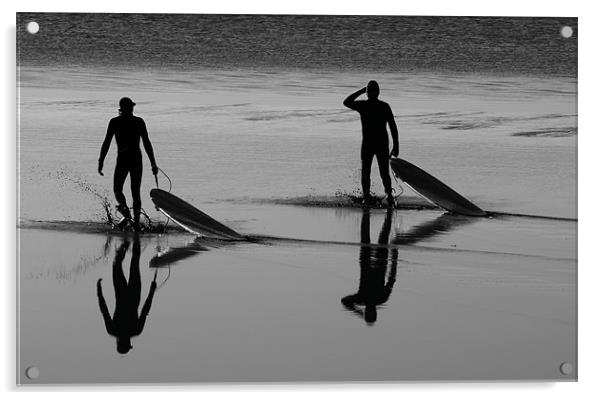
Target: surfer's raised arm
[(104, 310), (148, 147), (350, 102), (394, 133), (105, 146)]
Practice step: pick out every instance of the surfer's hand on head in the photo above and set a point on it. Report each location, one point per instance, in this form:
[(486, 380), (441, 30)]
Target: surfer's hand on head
[(155, 169)]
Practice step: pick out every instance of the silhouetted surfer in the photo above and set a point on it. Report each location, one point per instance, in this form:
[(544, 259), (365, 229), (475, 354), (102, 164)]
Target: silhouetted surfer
[(375, 115), (374, 286), (125, 322), (128, 130)]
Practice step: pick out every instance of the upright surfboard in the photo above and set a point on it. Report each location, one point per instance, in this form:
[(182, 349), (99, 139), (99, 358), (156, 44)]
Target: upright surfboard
[(190, 217), (433, 189)]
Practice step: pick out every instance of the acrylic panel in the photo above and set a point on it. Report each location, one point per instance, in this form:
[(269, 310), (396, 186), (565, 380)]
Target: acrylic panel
[(282, 198)]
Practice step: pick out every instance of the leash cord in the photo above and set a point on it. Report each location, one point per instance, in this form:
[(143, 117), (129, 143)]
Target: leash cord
[(167, 176), (400, 187)]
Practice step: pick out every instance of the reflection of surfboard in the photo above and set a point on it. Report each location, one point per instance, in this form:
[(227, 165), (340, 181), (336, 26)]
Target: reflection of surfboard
[(190, 217), (433, 189), (173, 255), (442, 224)]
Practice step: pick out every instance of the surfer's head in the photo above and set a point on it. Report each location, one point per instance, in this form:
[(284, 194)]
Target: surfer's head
[(370, 314), (124, 344), (126, 105), (372, 90)]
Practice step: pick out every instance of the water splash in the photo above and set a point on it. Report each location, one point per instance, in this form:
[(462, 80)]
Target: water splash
[(107, 215), (65, 175), (343, 199)]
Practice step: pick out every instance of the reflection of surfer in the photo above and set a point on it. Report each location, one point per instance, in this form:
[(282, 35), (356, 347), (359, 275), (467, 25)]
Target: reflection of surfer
[(375, 115), (128, 130), (125, 322), (374, 286)]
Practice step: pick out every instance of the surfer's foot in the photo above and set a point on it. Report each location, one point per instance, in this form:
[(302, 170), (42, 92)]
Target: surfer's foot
[(136, 221), (136, 226), (391, 201), (367, 201), (124, 210), (122, 223)]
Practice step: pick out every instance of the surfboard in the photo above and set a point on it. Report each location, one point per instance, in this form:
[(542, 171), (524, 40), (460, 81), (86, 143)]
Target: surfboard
[(433, 189), (189, 217)]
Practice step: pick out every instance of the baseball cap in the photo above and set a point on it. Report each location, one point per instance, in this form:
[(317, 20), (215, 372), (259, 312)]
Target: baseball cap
[(125, 101)]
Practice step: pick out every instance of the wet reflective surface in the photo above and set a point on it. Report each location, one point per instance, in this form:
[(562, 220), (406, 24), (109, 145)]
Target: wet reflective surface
[(375, 285), (396, 295), (126, 322)]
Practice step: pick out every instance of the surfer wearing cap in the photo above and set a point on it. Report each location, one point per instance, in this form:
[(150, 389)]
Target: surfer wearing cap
[(128, 130), (375, 114)]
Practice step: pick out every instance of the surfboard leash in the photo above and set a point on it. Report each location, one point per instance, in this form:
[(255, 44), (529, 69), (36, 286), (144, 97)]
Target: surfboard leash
[(166, 278), (400, 187), (168, 179), (157, 182)]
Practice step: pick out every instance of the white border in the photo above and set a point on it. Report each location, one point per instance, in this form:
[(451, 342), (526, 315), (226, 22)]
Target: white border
[(589, 147)]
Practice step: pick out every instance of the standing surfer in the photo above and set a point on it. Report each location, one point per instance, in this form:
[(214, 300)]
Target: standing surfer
[(128, 130), (375, 115)]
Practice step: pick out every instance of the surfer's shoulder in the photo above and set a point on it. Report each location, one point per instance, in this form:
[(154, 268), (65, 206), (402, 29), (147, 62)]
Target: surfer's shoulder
[(385, 106), (138, 119)]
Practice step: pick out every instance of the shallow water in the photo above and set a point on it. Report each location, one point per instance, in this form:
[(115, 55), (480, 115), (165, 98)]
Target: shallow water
[(220, 139), (468, 300)]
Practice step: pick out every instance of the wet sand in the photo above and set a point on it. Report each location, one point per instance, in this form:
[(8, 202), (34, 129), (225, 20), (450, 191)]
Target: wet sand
[(456, 298)]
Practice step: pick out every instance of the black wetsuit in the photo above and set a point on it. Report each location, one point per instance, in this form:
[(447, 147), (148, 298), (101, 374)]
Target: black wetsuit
[(375, 114), (128, 130), (125, 322), (374, 285)]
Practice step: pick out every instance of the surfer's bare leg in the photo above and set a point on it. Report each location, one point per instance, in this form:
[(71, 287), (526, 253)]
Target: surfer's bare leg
[(383, 167), (385, 230), (136, 180), (119, 282), (365, 227), (366, 169), (121, 172), (135, 284)]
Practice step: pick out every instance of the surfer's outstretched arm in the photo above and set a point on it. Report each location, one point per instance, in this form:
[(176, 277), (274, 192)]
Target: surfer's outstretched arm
[(104, 310), (105, 147), (148, 147), (350, 102), (394, 133), (146, 308)]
